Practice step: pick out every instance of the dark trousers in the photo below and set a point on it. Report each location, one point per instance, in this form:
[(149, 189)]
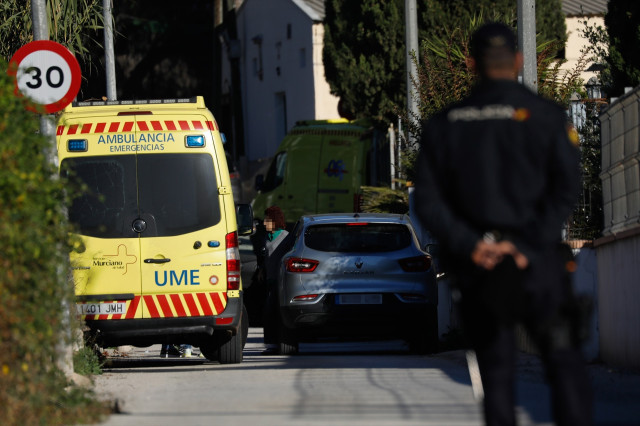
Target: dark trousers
[(493, 303)]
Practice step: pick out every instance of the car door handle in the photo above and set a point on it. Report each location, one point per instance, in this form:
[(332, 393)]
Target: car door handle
[(165, 260)]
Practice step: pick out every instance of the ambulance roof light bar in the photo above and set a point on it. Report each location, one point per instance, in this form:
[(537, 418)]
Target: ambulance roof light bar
[(138, 102)]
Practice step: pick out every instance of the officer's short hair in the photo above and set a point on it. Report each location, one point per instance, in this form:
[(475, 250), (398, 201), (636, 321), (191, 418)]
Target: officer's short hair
[(493, 45)]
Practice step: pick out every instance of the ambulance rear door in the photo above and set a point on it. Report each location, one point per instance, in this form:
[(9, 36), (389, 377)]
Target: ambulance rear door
[(105, 258), (185, 200)]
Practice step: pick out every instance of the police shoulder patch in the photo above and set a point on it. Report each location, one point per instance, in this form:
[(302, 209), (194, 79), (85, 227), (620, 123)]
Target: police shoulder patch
[(573, 136)]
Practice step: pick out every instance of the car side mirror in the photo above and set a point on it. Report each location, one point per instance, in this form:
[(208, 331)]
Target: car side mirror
[(259, 182), (244, 217)]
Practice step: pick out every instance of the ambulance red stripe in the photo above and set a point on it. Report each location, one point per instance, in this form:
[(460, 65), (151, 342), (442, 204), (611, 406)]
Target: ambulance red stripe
[(197, 125), (191, 304), (151, 306), (86, 128), (133, 307), (217, 303), (72, 129), (170, 125), (113, 127), (156, 125), (100, 127), (142, 125), (164, 305), (177, 304), (204, 304), (128, 125), (60, 131), (211, 125), (184, 125)]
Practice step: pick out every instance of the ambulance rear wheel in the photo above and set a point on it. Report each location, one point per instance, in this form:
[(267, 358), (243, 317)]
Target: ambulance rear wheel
[(230, 346)]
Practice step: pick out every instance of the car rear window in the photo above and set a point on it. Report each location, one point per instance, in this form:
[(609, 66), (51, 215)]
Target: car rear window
[(174, 193), (371, 237)]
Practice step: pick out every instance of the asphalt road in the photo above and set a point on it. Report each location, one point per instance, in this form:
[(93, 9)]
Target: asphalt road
[(366, 383)]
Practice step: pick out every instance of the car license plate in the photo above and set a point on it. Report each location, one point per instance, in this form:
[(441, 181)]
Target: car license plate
[(359, 299), (101, 308)]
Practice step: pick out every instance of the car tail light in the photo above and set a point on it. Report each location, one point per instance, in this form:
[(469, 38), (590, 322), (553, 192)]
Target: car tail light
[(415, 264), (297, 264), (305, 297), (233, 261), (357, 224)]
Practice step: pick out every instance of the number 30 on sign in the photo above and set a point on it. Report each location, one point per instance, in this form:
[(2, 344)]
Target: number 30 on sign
[(47, 73)]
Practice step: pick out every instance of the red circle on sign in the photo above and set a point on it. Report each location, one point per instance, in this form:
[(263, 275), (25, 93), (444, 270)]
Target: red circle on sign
[(65, 54)]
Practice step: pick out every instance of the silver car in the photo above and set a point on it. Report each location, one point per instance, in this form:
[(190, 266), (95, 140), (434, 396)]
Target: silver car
[(356, 276)]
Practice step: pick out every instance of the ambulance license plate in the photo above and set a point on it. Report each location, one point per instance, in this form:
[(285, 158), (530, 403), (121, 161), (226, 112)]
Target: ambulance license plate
[(101, 308), (359, 299)]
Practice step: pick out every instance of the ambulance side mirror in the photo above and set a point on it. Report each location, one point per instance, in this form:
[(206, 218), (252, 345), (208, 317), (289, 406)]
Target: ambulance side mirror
[(244, 217)]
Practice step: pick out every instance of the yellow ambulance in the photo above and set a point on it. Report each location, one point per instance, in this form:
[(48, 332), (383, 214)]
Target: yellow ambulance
[(156, 259)]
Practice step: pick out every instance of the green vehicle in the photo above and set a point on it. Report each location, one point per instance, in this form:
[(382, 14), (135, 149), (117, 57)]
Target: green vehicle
[(320, 167)]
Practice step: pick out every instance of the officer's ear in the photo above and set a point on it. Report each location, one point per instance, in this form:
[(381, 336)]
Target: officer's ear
[(518, 62)]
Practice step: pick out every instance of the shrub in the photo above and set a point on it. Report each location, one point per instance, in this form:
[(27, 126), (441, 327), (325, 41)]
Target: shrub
[(33, 274)]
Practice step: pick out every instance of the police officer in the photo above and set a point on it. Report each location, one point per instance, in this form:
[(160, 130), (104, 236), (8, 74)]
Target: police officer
[(498, 174)]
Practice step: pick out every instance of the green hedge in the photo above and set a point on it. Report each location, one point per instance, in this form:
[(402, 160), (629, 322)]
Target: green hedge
[(33, 275)]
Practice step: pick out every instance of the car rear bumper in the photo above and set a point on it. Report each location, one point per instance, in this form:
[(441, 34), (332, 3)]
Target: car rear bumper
[(325, 318), (145, 332)]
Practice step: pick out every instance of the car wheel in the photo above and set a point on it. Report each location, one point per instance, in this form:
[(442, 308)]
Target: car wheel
[(425, 339), (287, 343)]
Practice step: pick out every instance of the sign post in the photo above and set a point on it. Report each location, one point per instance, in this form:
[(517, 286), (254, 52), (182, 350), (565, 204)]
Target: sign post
[(47, 73)]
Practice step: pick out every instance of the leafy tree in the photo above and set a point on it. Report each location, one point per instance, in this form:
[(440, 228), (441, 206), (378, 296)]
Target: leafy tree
[(164, 51), (364, 56), (72, 23), (622, 22), (364, 45), (441, 17)]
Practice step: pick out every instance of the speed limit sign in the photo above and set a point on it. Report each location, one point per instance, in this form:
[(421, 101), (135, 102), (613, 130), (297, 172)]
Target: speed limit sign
[(47, 73)]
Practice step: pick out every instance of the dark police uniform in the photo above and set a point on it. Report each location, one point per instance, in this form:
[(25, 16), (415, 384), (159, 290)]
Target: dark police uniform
[(504, 163)]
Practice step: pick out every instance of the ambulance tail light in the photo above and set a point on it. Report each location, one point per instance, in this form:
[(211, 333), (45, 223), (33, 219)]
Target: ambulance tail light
[(233, 261), (194, 141), (77, 145)]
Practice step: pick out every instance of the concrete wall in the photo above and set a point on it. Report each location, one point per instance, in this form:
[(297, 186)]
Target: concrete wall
[(618, 252)]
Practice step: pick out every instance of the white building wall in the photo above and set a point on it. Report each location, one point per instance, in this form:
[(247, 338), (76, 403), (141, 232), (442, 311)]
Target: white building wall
[(326, 103), (576, 42), (289, 61)]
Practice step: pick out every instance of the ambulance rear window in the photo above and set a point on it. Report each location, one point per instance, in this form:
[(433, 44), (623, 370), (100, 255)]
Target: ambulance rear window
[(173, 193)]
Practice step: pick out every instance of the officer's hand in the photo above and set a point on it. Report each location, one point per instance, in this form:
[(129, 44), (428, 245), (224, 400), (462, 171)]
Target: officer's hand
[(488, 254)]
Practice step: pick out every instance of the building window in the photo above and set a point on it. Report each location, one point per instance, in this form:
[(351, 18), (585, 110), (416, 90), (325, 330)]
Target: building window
[(303, 57), (288, 31)]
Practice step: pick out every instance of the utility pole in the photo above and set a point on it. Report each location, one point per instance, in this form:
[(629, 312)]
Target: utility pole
[(109, 60), (41, 32), (411, 37), (527, 42), (64, 350)]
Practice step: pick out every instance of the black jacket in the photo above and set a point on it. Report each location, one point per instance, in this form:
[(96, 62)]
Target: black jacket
[(503, 159)]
